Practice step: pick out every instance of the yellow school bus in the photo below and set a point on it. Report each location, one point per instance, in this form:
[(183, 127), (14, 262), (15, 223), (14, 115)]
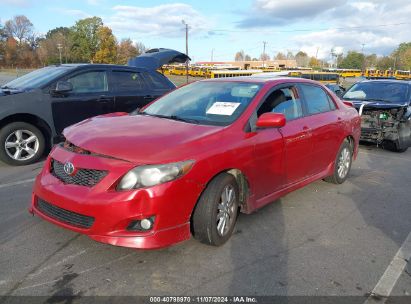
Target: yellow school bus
[(232, 73), (178, 70), (195, 71), (350, 72), (402, 75), (388, 73), (370, 73), (323, 77)]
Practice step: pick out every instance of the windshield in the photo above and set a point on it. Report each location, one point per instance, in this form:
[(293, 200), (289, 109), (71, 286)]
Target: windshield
[(378, 91), (37, 78), (206, 102)]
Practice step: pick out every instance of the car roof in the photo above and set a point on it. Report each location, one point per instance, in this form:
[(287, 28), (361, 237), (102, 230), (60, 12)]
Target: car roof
[(94, 65), (268, 80), (387, 81)]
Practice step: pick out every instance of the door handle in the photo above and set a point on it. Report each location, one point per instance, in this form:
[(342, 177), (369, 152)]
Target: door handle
[(148, 97), (104, 98)]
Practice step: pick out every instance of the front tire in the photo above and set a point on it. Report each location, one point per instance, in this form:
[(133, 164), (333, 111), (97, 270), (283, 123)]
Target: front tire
[(342, 164), (21, 144), (215, 214)]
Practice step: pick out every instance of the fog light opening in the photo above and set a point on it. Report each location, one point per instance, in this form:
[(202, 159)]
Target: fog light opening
[(141, 225)]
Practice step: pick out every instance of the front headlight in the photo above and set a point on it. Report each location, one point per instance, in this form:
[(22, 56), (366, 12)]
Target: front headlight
[(151, 175)]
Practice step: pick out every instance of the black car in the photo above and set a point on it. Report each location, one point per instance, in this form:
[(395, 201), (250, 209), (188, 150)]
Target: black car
[(385, 110), (35, 108)]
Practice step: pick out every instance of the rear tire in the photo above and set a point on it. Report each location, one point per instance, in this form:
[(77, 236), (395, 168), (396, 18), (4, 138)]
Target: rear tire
[(21, 144), (342, 164), (215, 214)]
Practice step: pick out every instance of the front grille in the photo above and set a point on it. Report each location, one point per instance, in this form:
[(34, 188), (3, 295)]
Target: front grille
[(63, 215), (82, 177)]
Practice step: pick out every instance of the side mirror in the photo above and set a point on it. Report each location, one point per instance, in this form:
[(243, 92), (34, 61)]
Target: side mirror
[(271, 120), (63, 87)]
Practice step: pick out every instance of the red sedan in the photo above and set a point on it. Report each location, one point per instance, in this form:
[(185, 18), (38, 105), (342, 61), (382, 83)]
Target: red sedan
[(188, 162)]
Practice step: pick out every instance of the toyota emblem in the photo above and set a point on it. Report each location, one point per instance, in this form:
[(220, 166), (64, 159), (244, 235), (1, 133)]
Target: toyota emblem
[(68, 168)]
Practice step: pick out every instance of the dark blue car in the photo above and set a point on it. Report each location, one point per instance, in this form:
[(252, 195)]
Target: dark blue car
[(36, 107), (385, 110)]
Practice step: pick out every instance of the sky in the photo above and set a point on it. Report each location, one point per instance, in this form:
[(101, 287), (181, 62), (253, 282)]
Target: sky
[(224, 27)]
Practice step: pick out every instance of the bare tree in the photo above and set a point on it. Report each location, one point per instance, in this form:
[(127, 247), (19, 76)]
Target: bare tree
[(141, 48), (19, 27), (239, 56), (264, 57)]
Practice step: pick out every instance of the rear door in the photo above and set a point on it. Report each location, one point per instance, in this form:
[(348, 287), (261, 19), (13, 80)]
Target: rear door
[(91, 96), (157, 84), (130, 89), (325, 123)]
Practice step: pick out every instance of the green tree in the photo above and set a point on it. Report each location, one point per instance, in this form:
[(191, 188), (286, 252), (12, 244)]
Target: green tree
[(85, 39), (385, 63), (107, 46), (402, 56), (353, 60)]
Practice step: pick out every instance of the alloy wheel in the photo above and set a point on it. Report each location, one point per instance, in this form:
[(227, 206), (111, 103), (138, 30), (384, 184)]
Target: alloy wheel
[(344, 162), (226, 210), (21, 145)]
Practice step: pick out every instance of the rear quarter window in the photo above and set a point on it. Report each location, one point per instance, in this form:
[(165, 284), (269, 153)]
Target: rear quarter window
[(156, 81)]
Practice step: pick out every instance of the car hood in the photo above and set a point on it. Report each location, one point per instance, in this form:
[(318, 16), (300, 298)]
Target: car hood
[(142, 139), (376, 104), (155, 58)]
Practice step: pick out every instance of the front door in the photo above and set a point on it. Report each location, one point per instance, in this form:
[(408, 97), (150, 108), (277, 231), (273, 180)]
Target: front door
[(90, 97)]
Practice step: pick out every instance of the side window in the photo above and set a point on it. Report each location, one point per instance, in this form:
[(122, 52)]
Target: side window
[(89, 82), (285, 101), (317, 100), (128, 80), (155, 82)]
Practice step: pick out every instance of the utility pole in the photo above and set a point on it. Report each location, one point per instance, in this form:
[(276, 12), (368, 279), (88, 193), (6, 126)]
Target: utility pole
[(362, 52), (59, 47), (264, 44), (186, 25), (212, 55)]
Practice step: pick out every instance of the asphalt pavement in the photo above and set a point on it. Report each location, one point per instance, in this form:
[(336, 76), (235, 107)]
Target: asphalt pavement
[(323, 239)]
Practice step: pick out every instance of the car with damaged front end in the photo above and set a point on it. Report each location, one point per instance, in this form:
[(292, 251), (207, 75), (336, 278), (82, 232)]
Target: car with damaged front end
[(188, 162), (385, 110)]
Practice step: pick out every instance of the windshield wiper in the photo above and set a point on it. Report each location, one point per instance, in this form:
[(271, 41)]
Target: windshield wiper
[(172, 117)]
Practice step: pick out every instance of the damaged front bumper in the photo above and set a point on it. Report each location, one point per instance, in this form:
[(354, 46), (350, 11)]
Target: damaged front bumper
[(386, 124)]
